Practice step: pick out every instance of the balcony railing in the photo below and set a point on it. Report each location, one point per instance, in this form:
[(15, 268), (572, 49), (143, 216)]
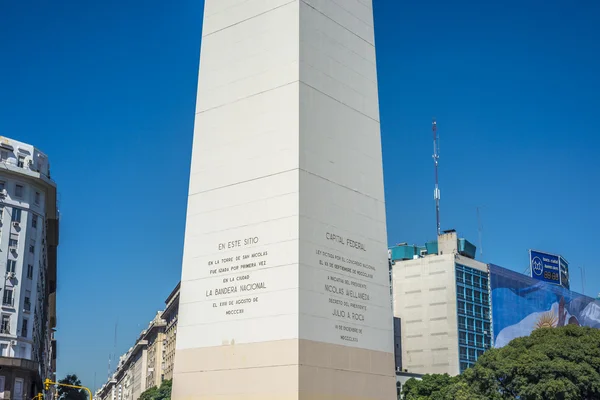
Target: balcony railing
[(5, 329), (8, 302)]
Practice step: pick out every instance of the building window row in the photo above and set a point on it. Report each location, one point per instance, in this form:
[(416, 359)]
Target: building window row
[(474, 318), (19, 192)]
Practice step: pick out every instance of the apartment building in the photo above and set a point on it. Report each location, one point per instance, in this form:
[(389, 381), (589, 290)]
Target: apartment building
[(155, 336), (150, 361), (28, 257), (170, 315)]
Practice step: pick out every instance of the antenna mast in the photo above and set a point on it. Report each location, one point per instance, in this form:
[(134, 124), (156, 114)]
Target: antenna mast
[(436, 157)]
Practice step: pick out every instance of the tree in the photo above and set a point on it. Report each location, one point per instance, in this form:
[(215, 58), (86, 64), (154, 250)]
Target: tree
[(552, 363), (561, 363), (429, 387), (66, 393), (158, 393)]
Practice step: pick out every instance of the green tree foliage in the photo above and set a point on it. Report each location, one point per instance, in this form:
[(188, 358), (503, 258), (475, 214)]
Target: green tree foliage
[(66, 393), (561, 363), (433, 387), (158, 393)]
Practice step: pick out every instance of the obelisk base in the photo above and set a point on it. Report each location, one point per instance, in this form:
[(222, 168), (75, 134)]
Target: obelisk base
[(283, 370)]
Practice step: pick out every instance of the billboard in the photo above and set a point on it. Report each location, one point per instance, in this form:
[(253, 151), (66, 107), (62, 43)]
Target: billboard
[(547, 267), (521, 304)]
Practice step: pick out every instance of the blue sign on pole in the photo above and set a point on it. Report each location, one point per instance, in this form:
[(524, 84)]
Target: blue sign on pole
[(544, 266)]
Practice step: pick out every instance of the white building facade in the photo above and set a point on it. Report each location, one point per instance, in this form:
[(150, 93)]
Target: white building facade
[(28, 245), (442, 300)]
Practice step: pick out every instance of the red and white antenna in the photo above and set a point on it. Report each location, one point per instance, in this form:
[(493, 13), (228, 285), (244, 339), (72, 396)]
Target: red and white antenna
[(436, 157)]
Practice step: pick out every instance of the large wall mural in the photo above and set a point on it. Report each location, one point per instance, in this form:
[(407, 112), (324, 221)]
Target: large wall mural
[(521, 304)]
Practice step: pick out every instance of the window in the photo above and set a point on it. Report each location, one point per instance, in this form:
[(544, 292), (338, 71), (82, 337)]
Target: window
[(4, 155), (21, 161), (5, 324), (32, 246), (37, 198), (19, 190), (7, 298), (34, 221), (485, 298), (470, 324), (27, 300), (19, 383), (24, 327), (13, 243), (471, 352), (10, 265), (2, 186), (30, 271), (468, 279), (16, 215), (476, 281), (478, 312), (470, 294), (479, 340)]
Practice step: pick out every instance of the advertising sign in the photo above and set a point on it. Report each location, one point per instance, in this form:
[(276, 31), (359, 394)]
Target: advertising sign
[(544, 267), (521, 305)]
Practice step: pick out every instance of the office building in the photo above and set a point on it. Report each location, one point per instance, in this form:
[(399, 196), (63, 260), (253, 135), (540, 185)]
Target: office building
[(441, 295), (452, 308), (28, 255)]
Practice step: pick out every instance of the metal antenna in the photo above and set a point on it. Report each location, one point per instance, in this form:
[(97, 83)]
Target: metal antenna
[(436, 157)]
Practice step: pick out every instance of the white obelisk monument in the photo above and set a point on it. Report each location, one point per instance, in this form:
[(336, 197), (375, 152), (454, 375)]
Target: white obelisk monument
[(285, 289)]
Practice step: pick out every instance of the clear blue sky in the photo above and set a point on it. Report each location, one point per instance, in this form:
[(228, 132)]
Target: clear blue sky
[(107, 89)]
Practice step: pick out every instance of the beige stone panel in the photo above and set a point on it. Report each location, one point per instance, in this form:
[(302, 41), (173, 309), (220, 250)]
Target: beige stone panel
[(282, 370), (278, 382), (331, 384), (338, 357), (237, 356)]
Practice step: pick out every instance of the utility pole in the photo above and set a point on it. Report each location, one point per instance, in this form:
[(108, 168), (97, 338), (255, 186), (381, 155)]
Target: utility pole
[(436, 157)]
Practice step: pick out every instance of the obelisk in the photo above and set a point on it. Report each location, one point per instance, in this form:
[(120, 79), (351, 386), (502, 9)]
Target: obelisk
[(285, 288)]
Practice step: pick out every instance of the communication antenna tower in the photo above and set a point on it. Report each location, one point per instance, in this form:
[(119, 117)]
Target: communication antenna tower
[(436, 157)]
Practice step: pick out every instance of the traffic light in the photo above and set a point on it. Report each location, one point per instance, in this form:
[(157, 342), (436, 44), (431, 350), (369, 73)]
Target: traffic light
[(47, 384)]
